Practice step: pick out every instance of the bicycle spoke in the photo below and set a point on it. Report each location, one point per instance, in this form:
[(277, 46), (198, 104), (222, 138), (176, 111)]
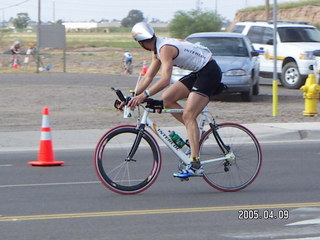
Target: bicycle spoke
[(123, 175), (241, 170)]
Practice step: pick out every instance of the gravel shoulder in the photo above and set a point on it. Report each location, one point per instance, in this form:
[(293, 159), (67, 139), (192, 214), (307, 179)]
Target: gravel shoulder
[(85, 101)]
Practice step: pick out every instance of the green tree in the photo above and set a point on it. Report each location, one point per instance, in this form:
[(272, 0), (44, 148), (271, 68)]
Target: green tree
[(60, 21), (21, 21), (134, 16), (185, 23)]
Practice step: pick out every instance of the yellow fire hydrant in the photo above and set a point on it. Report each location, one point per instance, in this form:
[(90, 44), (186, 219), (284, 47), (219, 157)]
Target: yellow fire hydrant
[(311, 95)]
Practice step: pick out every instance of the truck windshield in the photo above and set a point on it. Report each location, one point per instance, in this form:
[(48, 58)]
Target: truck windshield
[(299, 34)]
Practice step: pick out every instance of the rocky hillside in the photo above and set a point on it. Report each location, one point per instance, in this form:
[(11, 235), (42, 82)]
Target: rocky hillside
[(307, 13)]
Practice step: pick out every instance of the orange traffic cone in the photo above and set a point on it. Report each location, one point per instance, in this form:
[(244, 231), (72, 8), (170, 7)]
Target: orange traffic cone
[(46, 155), (144, 67), (15, 62)]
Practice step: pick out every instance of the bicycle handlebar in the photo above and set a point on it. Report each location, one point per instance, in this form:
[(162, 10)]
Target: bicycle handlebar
[(151, 103), (119, 94)]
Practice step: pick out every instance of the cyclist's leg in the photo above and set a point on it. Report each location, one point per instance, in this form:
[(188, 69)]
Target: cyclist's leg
[(125, 66), (174, 93), (130, 67), (204, 83), (194, 105)]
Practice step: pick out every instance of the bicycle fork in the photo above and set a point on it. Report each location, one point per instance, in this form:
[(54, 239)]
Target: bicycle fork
[(136, 144)]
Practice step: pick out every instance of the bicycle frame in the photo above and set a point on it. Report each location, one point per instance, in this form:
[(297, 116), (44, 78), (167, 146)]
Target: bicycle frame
[(146, 121)]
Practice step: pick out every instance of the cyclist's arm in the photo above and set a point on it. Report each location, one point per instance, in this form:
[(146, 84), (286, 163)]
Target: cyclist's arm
[(151, 73), (168, 53), (145, 82)]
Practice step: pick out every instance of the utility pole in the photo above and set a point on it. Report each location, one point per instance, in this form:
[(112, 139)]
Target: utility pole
[(267, 10), (38, 35), (2, 19), (198, 4), (216, 7), (275, 54), (53, 11)]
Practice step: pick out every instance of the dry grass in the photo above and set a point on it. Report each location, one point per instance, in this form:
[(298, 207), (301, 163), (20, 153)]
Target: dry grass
[(285, 5), (86, 53)]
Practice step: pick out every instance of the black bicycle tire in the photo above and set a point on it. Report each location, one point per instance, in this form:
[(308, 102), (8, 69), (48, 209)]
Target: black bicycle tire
[(258, 150), (99, 162)]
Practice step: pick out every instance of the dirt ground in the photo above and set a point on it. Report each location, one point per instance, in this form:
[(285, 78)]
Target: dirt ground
[(85, 101)]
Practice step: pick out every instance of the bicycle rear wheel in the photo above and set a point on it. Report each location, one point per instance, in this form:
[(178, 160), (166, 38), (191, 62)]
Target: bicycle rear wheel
[(239, 172), (121, 173)]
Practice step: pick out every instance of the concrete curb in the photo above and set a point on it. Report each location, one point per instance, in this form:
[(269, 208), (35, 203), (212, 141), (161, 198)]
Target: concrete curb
[(87, 139)]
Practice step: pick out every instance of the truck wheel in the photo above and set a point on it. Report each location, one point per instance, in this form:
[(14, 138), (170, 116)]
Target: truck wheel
[(291, 77)]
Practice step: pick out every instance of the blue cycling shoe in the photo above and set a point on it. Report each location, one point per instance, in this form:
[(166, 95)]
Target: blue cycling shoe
[(190, 171)]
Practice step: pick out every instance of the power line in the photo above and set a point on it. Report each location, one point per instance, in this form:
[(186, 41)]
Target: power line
[(15, 5)]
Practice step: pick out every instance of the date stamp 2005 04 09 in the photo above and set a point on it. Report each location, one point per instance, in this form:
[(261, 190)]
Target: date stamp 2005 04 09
[(255, 214)]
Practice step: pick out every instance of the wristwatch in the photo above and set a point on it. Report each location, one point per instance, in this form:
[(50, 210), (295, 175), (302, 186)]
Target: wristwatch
[(147, 93)]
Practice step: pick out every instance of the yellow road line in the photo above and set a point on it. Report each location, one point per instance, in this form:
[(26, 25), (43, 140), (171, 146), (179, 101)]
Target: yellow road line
[(156, 211)]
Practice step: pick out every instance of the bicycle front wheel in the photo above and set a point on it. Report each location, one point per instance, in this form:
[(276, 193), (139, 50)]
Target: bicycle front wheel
[(123, 168), (242, 168)]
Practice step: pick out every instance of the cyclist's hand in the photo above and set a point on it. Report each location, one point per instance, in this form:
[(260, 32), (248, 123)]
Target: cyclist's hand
[(119, 105), (135, 101)]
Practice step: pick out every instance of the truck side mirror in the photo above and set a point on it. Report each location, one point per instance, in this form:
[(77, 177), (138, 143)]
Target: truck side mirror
[(254, 54)]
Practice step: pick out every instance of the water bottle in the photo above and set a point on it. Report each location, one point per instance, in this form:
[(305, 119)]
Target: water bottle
[(177, 139)]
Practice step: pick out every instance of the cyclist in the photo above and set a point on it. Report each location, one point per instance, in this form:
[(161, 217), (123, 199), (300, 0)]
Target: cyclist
[(15, 48), (15, 51), (127, 62), (196, 87)]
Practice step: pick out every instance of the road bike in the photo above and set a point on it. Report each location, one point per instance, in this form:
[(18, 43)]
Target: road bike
[(128, 158)]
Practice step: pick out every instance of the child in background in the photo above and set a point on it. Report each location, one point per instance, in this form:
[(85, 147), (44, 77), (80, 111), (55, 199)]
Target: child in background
[(127, 62), (30, 52)]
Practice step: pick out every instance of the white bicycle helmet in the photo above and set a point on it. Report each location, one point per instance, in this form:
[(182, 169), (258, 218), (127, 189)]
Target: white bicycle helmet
[(142, 31)]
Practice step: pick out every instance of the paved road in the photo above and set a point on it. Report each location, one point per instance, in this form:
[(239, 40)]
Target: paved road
[(69, 203)]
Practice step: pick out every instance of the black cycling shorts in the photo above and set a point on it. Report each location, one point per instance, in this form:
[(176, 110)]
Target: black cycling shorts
[(206, 81)]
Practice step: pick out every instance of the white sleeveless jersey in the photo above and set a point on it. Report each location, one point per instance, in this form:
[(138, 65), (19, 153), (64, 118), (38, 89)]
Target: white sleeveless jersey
[(190, 56)]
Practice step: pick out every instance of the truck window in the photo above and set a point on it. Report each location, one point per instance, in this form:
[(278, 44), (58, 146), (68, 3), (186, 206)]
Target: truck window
[(299, 34), (238, 29), (260, 35)]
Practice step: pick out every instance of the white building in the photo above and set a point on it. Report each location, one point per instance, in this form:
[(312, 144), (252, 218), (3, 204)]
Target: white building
[(72, 26), (89, 25)]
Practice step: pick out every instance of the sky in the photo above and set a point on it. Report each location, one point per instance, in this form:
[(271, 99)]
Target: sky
[(87, 10)]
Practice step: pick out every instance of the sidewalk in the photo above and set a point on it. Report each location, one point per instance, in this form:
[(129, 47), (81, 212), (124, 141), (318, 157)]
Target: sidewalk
[(87, 139)]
